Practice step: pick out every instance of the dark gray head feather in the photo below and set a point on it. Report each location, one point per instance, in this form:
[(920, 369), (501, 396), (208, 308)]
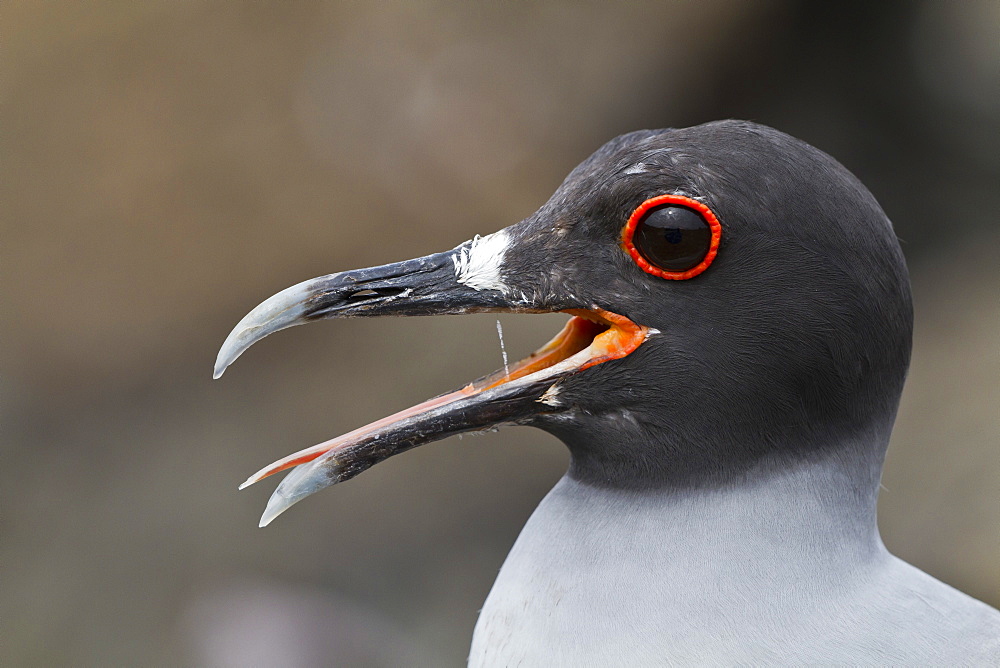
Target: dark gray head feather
[(793, 344)]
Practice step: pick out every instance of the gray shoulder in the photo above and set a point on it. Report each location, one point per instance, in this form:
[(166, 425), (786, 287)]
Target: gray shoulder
[(938, 620)]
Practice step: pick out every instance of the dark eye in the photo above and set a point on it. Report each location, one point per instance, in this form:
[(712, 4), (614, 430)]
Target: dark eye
[(672, 236)]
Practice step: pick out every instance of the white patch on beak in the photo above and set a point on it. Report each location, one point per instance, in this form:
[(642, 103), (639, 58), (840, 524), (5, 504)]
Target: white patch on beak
[(551, 396), (478, 263)]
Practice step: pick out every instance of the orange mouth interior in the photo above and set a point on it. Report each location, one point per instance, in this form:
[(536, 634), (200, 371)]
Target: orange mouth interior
[(608, 335), (605, 335)]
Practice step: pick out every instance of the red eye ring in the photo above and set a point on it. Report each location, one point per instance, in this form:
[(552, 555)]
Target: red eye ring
[(633, 222)]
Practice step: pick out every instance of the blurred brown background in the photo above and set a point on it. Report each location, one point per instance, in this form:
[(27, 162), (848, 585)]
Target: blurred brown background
[(167, 165)]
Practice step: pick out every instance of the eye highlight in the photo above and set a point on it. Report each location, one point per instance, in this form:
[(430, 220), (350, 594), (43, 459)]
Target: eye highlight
[(672, 236)]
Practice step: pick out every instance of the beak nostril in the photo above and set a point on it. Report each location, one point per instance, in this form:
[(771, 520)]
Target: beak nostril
[(361, 295)]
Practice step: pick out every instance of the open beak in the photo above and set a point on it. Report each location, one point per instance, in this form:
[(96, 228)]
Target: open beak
[(437, 284)]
